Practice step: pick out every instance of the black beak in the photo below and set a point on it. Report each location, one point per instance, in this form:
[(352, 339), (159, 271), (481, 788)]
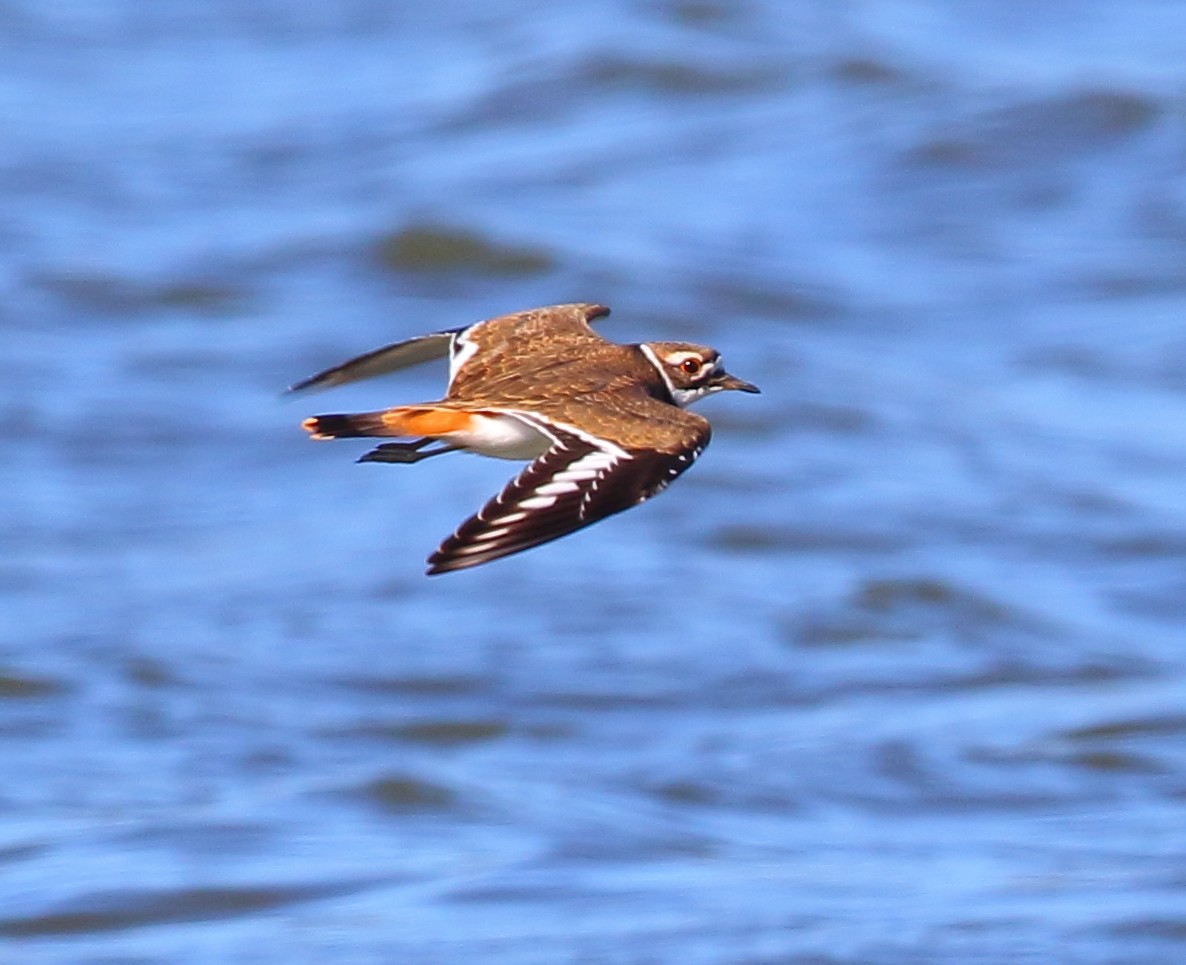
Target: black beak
[(723, 380)]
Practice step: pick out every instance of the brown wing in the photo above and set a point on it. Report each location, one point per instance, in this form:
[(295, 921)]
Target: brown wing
[(578, 481), (505, 342), (514, 348)]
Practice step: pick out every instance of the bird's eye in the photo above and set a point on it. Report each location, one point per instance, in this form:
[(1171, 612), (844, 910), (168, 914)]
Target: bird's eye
[(690, 366)]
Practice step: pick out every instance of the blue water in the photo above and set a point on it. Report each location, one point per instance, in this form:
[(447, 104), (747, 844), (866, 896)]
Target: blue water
[(894, 675)]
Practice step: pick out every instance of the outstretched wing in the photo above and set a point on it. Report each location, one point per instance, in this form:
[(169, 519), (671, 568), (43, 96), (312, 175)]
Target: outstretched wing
[(380, 361), (578, 481), (522, 332), (512, 347)]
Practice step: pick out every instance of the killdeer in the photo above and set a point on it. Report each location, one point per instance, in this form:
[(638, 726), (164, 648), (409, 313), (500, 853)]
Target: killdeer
[(604, 424)]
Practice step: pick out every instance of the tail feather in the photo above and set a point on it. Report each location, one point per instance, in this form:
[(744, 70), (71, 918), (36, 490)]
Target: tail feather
[(407, 421), (348, 425)]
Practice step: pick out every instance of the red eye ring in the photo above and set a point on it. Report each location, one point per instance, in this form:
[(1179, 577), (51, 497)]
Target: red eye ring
[(690, 366)]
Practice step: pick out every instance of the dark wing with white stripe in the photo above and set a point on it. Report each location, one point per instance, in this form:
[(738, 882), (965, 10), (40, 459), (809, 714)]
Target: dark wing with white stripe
[(380, 361), (578, 481)]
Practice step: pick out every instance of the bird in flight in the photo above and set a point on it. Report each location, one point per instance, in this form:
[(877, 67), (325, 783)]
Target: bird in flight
[(604, 425)]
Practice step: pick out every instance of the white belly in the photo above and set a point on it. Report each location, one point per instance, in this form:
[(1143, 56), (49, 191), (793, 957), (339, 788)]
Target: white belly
[(503, 437)]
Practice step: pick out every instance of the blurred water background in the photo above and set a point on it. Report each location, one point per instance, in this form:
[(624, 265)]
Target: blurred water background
[(895, 675)]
